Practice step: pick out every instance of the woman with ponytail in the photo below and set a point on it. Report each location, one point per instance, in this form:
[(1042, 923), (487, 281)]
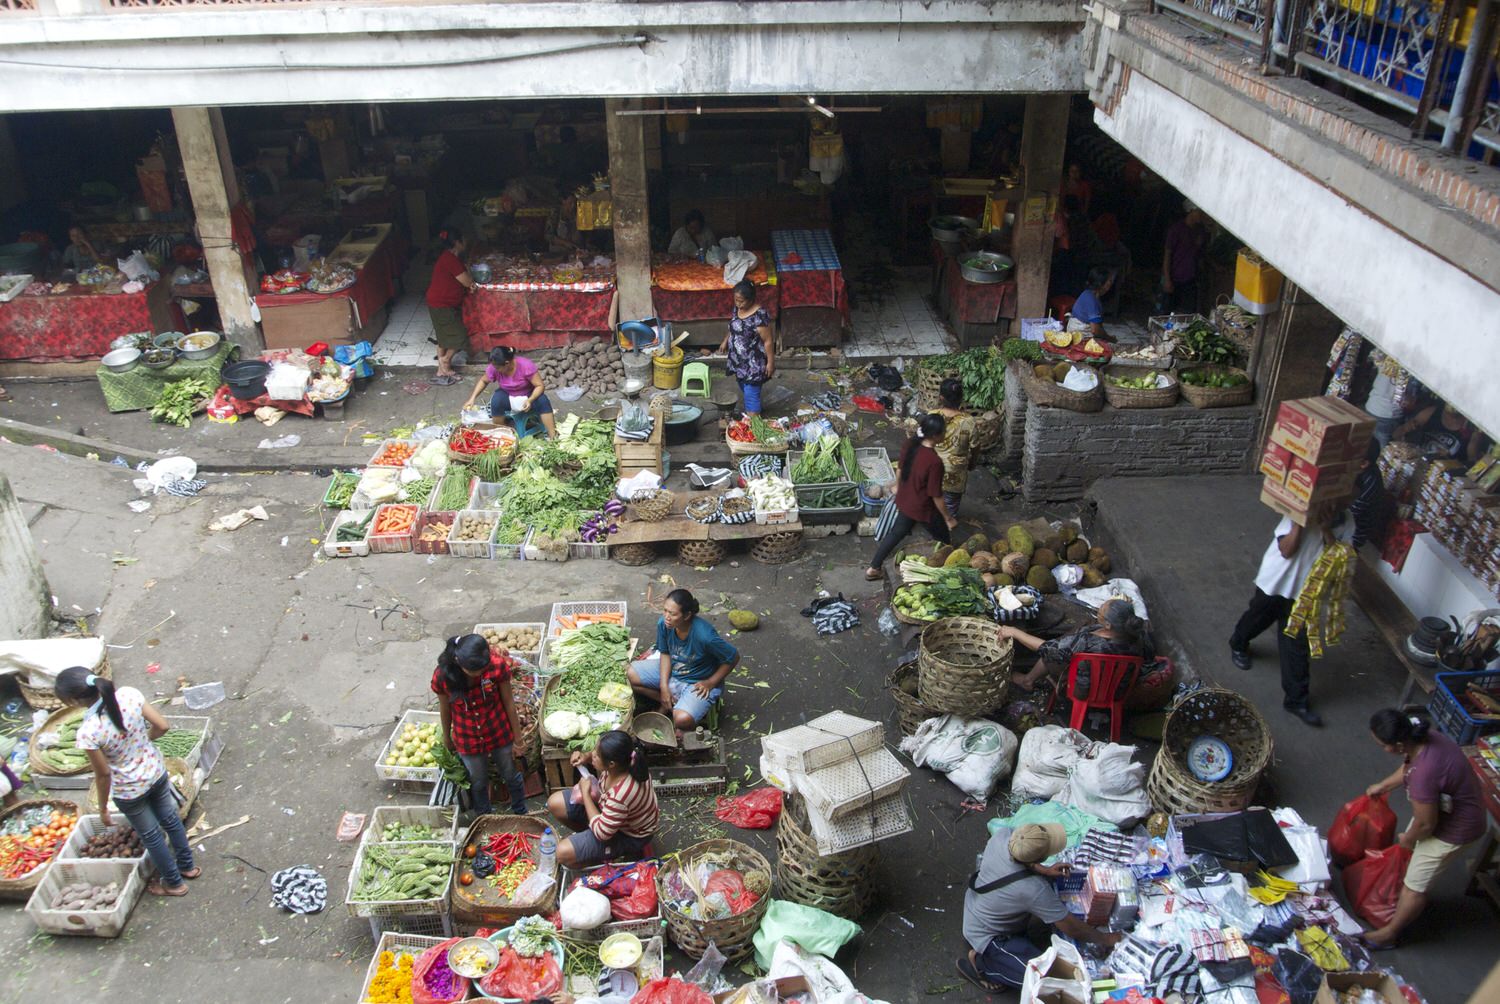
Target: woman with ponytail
[(477, 711), (1447, 809), (919, 493), (117, 731), (450, 282), (612, 811), (1118, 632)]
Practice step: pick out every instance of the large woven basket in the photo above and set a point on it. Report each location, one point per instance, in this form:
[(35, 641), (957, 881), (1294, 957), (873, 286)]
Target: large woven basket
[(1224, 715), (633, 554), (188, 789), (480, 904), (910, 711), (33, 747), (21, 888), (731, 935), (929, 384), (46, 700), (652, 506), (1215, 397), (1130, 397), (1055, 395), (843, 884), (777, 548), (989, 430), (963, 666), (697, 553)]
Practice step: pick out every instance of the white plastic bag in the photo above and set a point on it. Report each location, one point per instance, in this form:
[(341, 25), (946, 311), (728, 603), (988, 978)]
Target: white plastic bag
[(136, 267), (645, 481), (1108, 784), (976, 754), (1057, 976), (737, 264), (1048, 753), (583, 909)]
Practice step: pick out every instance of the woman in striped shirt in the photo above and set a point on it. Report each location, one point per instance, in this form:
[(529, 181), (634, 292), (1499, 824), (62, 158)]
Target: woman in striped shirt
[(613, 815)]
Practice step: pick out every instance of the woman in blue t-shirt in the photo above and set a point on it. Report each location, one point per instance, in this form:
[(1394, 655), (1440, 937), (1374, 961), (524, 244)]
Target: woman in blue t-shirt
[(691, 662)]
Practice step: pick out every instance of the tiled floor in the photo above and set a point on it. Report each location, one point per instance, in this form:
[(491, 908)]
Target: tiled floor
[(404, 341), (902, 324)]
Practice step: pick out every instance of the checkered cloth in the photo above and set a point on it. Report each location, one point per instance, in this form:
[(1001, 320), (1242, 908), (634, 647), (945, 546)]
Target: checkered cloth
[(814, 248)]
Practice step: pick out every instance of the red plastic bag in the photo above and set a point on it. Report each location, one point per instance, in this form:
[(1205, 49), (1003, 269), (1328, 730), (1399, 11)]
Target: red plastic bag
[(1373, 884), (1365, 824), (670, 991), (731, 885), (520, 978), (427, 985), (754, 810), (641, 902)]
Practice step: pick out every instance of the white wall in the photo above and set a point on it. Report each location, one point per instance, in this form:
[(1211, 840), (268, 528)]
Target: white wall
[(1441, 323), (25, 603)]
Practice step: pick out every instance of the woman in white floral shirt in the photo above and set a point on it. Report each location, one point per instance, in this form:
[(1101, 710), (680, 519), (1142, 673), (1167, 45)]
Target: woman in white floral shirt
[(117, 731)]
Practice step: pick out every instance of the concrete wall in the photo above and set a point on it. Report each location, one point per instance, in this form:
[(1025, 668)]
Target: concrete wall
[(1067, 451), (25, 600)]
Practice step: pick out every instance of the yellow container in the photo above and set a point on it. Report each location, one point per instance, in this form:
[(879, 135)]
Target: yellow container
[(666, 369), (1256, 281)]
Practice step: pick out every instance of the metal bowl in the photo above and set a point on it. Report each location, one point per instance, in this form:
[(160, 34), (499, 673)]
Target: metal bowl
[(168, 340), (491, 953), (481, 273), (952, 229), (159, 359), (121, 360), (206, 351), (986, 267)]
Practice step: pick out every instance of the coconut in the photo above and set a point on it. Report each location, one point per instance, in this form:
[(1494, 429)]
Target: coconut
[(1015, 564)]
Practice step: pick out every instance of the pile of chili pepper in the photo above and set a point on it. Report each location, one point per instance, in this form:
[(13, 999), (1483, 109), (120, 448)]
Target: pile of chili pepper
[(508, 879), (740, 432), (470, 443), (507, 848)]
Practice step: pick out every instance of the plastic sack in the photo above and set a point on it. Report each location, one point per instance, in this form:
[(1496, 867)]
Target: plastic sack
[(1373, 883), (670, 991), (1363, 824), (641, 902), (1057, 976), (1298, 975), (807, 927), (754, 810), (584, 909), (351, 354), (976, 754), (1048, 753), (520, 978), (730, 884), (421, 992), (1109, 785)]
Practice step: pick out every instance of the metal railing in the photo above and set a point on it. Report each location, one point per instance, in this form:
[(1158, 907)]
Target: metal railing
[(1431, 61)]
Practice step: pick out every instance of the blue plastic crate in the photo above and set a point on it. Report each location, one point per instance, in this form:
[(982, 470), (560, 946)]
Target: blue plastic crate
[(1450, 714)]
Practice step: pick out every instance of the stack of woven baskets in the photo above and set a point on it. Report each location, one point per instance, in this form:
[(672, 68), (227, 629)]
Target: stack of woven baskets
[(1223, 715), (842, 884)]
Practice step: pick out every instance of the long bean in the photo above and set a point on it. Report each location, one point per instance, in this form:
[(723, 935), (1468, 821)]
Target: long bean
[(177, 742)]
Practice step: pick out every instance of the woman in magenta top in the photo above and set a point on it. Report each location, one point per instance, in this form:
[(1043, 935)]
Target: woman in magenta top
[(1447, 809), (919, 493), (514, 377)]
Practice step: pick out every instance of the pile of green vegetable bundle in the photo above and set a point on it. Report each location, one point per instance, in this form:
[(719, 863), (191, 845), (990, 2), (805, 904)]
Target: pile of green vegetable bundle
[(1201, 342), (177, 742), (981, 370), (589, 657), (389, 874), (179, 399), (931, 593), (341, 489), (821, 463), (557, 482)]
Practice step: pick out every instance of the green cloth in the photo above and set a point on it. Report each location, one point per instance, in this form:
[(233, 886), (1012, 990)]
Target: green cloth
[(1074, 820), (140, 388)]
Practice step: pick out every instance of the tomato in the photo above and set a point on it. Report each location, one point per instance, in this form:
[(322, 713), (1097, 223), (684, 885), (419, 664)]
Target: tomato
[(470, 851), (467, 878)]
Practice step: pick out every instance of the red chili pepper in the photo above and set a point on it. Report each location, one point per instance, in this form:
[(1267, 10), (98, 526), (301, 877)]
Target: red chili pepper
[(740, 432), (469, 442), (507, 848)]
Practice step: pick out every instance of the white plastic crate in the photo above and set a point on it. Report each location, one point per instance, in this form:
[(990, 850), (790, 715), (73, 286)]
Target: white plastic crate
[(393, 543), (509, 552), (352, 549), (889, 817), (777, 517), (590, 551), (84, 830), (532, 656), (573, 608), (381, 449), (461, 474), (874, 465), (827, 739), (107, 923), (442, 819), (486, 495), (418, 775), (472, 548), (849, 786), (437, 906), (534, 553), (201, 724), (793, 456), (397, 943)]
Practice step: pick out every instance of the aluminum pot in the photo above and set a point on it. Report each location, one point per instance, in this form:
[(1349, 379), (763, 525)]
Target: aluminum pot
[(986, 267), (952, 229)]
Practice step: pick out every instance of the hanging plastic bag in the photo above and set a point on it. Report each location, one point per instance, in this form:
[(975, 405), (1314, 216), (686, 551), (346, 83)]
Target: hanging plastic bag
[(1373, 883), (754, 810), (1364, 824), (432, 982)]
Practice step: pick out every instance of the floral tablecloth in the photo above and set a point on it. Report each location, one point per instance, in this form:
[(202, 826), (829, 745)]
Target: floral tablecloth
[(489, 311), (77, 324)]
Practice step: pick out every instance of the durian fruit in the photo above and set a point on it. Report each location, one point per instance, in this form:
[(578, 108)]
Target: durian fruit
[(1060, 372), (744, 620), (1055, 543), (1045, 557), (1041, 579), (1097, 552), (1043, 371), (958, 558), (1077, 552), (1015, 564), (1003, 580), (1092, 577), (1101, 563), (1068, 533), (1020, 539), (976, 543), (939, 556)]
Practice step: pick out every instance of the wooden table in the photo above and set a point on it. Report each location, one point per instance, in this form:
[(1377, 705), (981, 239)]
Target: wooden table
[(1484, 875)]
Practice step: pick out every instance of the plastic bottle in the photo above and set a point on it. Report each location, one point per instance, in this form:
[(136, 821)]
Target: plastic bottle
[(548, 849)]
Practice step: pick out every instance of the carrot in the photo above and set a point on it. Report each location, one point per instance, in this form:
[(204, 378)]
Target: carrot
[(396, 519)]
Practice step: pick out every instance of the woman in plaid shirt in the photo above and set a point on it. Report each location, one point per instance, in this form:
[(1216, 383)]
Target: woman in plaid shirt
[(472, 684)]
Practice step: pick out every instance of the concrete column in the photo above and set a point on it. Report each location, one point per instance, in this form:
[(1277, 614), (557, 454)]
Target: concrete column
[(632, 220), (25, 600), (211, 181), (1043, 135)]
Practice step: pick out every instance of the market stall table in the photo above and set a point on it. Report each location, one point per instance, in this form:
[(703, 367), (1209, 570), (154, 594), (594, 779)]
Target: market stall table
[(814, 297), (140, 388), (691, 291), (80, 322), (540, 312), (978, 311), (294, 320), (1484, 875)]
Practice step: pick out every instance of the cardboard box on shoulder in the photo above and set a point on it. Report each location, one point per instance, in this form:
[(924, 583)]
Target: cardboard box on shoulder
[(1322, 430), (1279, 500), (1311, 483)]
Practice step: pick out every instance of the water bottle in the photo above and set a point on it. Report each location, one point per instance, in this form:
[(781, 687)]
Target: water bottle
[(548, 850)]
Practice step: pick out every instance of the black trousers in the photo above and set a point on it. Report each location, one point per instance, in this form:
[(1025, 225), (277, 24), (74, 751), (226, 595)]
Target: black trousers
[(1296, 661), (903, 525)]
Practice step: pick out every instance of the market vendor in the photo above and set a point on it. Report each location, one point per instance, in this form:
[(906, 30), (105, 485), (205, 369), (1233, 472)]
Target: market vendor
[(1442, 431), (1447, 810), (80, 254), (1011, 891), (450, 283), (692, 237), (1088, 309), (1118, 631), (563, 234), (612, 811), (918, 493), (477, 712), (748, 344), (687, 673), (514, 377), (955, 445)]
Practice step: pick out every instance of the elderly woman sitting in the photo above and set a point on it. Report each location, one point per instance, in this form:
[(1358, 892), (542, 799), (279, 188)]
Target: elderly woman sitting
[(1118, 632)]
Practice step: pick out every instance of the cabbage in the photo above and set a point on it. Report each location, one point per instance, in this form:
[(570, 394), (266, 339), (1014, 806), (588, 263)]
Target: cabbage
[(565, 725)]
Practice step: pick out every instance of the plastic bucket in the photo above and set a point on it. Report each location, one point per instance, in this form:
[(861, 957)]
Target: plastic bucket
[(637, 366), (871, 506), (667, 369)]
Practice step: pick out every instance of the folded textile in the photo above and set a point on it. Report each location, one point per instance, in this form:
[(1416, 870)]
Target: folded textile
[(300, 890)]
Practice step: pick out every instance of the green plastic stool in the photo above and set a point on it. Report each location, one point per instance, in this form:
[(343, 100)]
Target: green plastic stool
[(695, 380), (711, 720)]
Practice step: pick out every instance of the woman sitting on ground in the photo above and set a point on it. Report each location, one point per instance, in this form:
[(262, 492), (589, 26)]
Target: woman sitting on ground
[(1118, 632), (613, 813), (687, 673)]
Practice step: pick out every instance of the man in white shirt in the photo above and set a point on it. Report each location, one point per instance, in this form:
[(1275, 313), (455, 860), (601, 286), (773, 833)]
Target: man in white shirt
[(1283, 570), (693, 236)]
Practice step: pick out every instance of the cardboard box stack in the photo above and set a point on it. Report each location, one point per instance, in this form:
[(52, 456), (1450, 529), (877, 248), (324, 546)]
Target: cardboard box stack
[(1313, 455)]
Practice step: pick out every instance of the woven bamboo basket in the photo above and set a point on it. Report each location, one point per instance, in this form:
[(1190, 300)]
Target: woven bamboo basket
[(1235, 327), (843, 884), (188, 789), (910, 620), (1130, 397), (731, 935), (33, 748), (1055, 395), (701, 552), (910, 711), (1224, 715), (46, 700), (651, 507), (929, 382), (989, 429), (777, 548), (1215, 397), (21, 888), (633, 554), (481, 904), (528, 695), (963, 666)]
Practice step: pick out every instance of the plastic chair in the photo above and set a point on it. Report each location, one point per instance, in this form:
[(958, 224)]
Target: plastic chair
[(1111, 678), (695, 380), (527, 424), (1062, 305)]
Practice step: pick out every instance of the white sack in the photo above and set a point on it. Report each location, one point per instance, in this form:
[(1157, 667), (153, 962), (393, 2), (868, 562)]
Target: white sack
[(1109, 785), (1048, 753), (976, 754)]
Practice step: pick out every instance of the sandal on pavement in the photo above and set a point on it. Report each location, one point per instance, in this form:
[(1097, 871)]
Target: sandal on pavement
[(191, 873), (155, 888), (967, 971), (873, 578)]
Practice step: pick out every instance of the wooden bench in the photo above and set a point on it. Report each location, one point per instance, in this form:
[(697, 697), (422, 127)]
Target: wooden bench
[(1395, 623)]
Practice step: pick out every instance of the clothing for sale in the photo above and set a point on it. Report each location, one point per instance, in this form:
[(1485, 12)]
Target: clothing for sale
[(1109, 847)]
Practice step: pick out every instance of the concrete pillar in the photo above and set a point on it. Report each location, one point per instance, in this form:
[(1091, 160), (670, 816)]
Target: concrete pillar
[(1043, 135), (211, 181), (627, 182), (25, 599)]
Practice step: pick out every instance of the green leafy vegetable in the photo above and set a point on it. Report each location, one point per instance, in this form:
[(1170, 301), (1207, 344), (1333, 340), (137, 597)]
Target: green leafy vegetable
[(177, 401)]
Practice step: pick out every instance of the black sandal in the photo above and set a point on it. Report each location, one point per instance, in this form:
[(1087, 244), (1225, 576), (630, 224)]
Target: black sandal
[(967, 971)]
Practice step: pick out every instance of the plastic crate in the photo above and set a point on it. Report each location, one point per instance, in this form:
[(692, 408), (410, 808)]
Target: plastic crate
[(651, 966), (889, 817), (443, 820), (532, 656), (589, 551), (875, 464), (430, 519), (85, 830), (347, 549), (533, 553), (333, 483), (573, 608), (393, 543), (486, 495), (381, 449), (850, 786), (417, 775), (777, 517), (644, 927), (841, 514), (1449, 712), (437, 906), (92, 923), (201, 724), (455, 475), (509, 552), (793, 456), (397, 943), (822, 742), (472, 548)]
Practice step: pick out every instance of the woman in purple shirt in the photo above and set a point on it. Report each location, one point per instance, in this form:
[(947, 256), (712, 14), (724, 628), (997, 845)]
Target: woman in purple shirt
[(1447, 809), (515, 378)]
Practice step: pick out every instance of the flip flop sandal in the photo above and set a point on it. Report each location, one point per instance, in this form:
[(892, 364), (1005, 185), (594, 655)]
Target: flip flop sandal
[(155, 888), (967, 971), (196, 872)]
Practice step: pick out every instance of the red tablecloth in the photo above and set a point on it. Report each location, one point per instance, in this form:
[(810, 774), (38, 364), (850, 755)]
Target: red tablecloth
[(823, 288), (975, 302), (74, 325), (708, 304), (374, 286), (492, 312)]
